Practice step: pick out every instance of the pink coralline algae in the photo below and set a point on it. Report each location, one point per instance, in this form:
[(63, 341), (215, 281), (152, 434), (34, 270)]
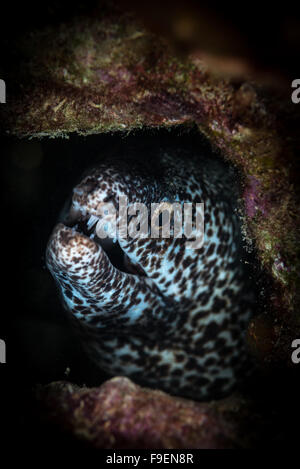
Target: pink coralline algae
[(120, 414), (255, 200)]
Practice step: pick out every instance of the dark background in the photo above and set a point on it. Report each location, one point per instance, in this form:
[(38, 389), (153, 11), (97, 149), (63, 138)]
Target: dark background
[(266, 32)]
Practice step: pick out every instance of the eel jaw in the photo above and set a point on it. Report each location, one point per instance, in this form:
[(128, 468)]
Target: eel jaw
[(95, 290), (85, 224), (67, 248), (75, 241)]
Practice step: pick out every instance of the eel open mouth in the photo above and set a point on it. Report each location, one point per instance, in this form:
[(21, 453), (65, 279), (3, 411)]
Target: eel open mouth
[(85, 224)]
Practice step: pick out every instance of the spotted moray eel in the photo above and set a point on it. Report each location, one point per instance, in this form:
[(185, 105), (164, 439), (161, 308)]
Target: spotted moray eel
[(167, 316)]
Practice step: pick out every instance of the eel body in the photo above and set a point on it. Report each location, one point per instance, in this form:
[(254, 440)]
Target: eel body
[(166, 315)]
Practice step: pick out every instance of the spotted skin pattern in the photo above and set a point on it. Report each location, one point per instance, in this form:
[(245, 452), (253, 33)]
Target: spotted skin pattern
[(172, 317)]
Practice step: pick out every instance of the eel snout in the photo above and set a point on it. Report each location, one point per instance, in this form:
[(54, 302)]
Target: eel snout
[(95, 290), (67, 247)]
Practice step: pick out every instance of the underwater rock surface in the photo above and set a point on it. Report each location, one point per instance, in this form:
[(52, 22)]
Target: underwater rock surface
[(120, 414)]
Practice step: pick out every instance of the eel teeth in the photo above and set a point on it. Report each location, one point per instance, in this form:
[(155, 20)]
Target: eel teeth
[(92, 221)]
